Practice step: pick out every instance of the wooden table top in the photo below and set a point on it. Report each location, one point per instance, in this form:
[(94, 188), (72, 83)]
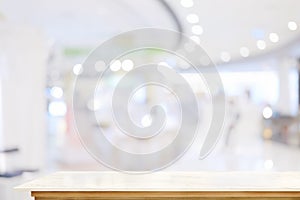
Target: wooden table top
[(166, 181)]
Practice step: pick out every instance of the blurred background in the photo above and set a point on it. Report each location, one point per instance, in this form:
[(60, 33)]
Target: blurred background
[(255, 45)]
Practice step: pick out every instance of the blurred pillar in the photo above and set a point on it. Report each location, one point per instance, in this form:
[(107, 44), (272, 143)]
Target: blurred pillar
[(23, 76), (298, 68), (288, 86), (2, 157)]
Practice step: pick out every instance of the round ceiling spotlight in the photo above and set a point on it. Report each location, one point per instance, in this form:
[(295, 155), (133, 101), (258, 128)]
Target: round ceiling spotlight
[(244, 51), (267, 112), (225, 56), (197, 29), (127, 65), (274, 37), (100, 66), (187, 3), (146, 121), (115, 65), (56, 92), (77, 69), (292, 26), (192, 18), (261, 44)]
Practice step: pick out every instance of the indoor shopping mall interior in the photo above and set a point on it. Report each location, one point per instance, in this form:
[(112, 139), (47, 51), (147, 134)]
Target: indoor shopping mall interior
[(50, 115)]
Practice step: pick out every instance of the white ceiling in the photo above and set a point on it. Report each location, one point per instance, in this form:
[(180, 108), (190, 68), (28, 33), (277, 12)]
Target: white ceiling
[(228, 25)]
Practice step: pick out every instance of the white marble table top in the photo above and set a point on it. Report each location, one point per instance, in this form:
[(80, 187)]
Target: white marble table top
[(166, 181)]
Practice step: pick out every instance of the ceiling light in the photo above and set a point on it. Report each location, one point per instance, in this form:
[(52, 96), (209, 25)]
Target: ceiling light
[(225, 56), (195, 39), (267, 112), (57, 108), (187, 3), (274, 37), (244, 51), (261, 44), (192, 18), (292, 26), (77, 69), (56, 92), (100, 66), (115, 65), (197, 29), (146, 121), (127, 65)]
